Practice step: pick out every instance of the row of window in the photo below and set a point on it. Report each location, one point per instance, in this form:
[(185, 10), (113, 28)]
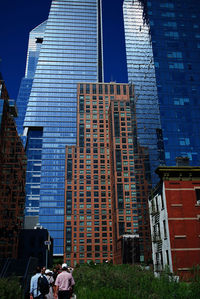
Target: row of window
[(103, 88)]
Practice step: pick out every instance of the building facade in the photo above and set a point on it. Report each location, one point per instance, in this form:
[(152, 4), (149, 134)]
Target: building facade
[(162, 46), (12, 177), (71, 52), (175, 220), (104, 175), (34, 46)]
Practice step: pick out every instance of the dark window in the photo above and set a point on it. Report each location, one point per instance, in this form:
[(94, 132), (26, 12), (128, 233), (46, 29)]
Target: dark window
[(81, 135), (164, 227), (81, 105), (100, 89), (81, 88), (111, 89), (198, 196), (69, 169), (87, 88), (124, 89), (116, 123), (167, 255), (118, 89), (121, 228), (118, 160), (162, 202), (94, 89), (39, 40), (120, 195), (106, 89)]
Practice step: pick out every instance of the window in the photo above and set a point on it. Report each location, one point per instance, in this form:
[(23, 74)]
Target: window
[(100, 89), (173, 34), (124, 89), (162, 202), (87, 88), (184, 141), (198, 196), (111, 89), (94, 89), (118, 89), (164, 228), (81, 88), (167, 5), (167, 256), (168, 14), (106, 89), (170, 24), (175, 55), (176, 65), (181, 101)]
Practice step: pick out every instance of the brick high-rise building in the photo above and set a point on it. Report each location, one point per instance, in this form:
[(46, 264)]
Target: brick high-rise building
[(12, 177), (106, 188)]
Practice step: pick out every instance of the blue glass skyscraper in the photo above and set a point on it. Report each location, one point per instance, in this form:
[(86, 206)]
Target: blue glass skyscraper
[(34, 46), (71, 52), (163, 51)]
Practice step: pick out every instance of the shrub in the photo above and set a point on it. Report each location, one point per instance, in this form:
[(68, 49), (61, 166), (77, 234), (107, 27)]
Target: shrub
[(129, 282), (10, 289)]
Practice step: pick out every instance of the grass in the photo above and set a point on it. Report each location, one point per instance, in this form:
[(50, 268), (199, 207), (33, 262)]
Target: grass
[(128, 282)]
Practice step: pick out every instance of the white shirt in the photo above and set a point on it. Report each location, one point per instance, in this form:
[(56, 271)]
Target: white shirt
[(34, 285)]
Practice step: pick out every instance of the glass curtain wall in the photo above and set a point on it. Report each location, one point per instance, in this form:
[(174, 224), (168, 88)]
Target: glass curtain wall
[(163, 50), (176, 49), (71, 52), (141, 73), (34, 46)]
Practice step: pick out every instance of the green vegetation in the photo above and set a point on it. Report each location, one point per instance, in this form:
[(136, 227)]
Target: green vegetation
[(129, 282), (10, 289), (107, 281)]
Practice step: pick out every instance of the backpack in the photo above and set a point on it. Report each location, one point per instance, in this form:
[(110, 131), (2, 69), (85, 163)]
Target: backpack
[(43, 285)]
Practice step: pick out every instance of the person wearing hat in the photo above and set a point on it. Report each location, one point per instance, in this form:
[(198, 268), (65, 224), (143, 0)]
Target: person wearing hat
[(64, 284), (50, 280)]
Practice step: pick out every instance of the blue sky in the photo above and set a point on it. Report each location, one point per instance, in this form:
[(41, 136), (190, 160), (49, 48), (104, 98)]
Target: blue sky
[(18, 18)]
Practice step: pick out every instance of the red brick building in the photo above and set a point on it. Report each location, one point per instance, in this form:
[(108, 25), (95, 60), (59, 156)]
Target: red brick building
[(12, 178), (106, 187), (175, 220)]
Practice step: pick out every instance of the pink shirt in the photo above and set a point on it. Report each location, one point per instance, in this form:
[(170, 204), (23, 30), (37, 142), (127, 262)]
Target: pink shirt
[(64, 281)]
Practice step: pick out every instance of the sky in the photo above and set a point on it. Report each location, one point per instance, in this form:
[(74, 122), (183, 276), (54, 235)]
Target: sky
[(18, 18)]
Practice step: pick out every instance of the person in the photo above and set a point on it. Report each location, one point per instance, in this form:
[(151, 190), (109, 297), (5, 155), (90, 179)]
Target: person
[(55, 273), (64, 284), (43, 269), (50, 280), (34, 292), (70, 269)]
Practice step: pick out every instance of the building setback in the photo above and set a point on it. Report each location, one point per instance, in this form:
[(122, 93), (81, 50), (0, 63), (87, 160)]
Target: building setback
[(175, 220), (106, 188), (164, 65), (34, 45), (12, 177)]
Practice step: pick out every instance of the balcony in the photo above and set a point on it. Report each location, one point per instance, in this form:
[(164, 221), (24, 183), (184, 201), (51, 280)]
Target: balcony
[(158, 267), (154, 212), (156, 238)]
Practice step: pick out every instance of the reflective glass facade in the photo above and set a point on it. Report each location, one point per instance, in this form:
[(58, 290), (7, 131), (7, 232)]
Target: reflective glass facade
[(71, 52), (141, 72), (163, 37), (34, 46)]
